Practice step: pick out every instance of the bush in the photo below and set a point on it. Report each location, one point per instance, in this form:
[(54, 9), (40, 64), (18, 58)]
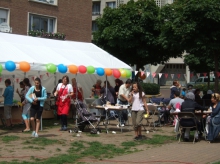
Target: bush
[(150, 88), (205, 88)]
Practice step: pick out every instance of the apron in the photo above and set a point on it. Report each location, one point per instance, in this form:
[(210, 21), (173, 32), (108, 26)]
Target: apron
[(63, 104)]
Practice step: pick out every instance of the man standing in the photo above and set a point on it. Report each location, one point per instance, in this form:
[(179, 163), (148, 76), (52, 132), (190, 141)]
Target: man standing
[(8, 102), (123, 95), (175, 87)]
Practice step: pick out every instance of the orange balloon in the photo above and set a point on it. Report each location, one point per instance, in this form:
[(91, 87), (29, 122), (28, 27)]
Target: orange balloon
[(73, 69), (108, 71), (24, 66)]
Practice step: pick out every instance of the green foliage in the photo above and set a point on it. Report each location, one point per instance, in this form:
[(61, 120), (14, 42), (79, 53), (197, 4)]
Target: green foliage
[(151, 88), (49, 35), (41, 141), (191, 26), (131, 33), (8, 139)]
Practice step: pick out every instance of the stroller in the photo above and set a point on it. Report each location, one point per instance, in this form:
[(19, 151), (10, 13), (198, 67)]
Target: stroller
[(85, 119)]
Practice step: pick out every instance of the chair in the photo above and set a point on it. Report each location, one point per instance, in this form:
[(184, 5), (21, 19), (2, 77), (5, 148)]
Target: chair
[(152, 117), (187, 120)]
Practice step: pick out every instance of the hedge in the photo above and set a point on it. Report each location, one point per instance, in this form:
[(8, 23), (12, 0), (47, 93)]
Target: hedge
[(150, 88)]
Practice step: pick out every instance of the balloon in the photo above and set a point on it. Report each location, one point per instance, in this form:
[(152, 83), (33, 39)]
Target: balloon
[(51, 68), (142, 77), (116, 73), (10, 66), (73, 69), (128, 73), (24, 66), (108, 71), (123, 72), (62, 68), (82, 69), (90, 70), (1, 68), (100, 71)]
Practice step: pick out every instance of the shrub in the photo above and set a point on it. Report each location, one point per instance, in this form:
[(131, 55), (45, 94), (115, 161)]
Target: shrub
[(150, 88)]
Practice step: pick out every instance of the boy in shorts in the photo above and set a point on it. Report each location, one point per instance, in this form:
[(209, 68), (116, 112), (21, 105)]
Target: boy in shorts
[(8, 102)]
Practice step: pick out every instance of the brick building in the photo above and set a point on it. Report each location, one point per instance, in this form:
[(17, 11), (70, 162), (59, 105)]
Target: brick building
[(71, 17)]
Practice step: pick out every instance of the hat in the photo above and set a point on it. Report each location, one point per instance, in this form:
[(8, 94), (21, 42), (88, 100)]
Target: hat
[(190, 95), (209, 92)]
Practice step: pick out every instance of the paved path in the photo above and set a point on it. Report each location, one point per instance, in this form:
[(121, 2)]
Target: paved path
[(173, 153)]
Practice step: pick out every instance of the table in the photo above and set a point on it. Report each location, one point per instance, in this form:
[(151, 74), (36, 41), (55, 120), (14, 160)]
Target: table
[(108, 108)]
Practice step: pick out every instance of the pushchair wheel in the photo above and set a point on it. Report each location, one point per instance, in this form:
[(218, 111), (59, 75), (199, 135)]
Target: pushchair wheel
[(99, 130), (93, 131), (76, 130)]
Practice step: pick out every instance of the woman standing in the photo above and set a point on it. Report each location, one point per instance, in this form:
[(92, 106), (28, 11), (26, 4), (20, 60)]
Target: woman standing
[(26, 106), (213, 121), (64, 93), (77, 90), (36, 95), (137, 98)]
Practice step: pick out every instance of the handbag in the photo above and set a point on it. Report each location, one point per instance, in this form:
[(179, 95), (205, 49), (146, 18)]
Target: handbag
[(57, 98)]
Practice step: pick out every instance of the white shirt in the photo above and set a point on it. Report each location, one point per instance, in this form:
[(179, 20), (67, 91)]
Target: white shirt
[(123, 91), (68, 87), (137, 102)]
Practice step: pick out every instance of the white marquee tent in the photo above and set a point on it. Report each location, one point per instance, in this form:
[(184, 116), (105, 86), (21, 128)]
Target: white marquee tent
[(39, 52)]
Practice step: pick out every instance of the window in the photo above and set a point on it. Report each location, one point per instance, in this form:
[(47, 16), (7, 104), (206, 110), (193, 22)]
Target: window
[(3, 16), (51, 2), (111, 4), (96, 8), (94, 26), (41, 23)]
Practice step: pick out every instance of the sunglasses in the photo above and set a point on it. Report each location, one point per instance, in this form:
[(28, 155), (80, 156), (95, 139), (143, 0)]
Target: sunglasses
[(214, 96)]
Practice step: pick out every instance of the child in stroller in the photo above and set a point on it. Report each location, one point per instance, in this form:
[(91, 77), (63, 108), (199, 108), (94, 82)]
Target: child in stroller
[(85, 118)]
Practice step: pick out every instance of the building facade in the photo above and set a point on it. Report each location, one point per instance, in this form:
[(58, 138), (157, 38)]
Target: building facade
[(71, 17)]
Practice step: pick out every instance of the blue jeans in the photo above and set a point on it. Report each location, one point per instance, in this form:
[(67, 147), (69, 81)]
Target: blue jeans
[(122, 114)]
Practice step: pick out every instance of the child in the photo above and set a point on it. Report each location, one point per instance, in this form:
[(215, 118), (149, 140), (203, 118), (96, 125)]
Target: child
[(183, 93), (137, 98), (8, 102)]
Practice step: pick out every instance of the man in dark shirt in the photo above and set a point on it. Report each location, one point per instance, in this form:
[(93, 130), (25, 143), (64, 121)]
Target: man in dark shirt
[(189, 105)]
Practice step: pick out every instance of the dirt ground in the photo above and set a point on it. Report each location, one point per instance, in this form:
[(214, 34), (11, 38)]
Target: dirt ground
[(26, 148)]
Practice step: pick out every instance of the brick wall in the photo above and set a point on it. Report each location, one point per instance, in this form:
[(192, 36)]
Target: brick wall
[(73, 16)]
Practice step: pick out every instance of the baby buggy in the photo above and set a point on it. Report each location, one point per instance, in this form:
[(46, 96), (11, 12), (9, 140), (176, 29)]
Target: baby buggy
[(85, 119)]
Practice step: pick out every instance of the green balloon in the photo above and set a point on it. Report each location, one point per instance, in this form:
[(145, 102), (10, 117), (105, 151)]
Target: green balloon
[(90, 69), (51, 68), (1, 68), (128, 73)]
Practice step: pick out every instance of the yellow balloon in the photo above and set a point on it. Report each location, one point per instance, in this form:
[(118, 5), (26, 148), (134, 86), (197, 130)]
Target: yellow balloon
[(123, 73)]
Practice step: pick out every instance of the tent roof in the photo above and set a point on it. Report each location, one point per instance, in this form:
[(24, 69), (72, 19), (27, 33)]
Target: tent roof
[(39, 52)]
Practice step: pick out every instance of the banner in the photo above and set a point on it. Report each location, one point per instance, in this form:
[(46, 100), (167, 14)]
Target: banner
[(148, 73), (198, 75), (185, 76), (178, 75), (172, 76), (154, 74), (160, 74), (205, 74), (166, 75)]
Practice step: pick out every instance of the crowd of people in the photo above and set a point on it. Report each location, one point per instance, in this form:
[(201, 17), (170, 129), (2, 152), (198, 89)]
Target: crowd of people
[(184, 100), (189, 101)]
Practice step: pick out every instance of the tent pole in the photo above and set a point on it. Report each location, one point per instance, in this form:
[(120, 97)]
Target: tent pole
[(106, 88)]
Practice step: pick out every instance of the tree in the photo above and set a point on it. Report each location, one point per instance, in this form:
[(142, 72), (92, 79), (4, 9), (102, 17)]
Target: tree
[(193, 26), (131, 33)]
